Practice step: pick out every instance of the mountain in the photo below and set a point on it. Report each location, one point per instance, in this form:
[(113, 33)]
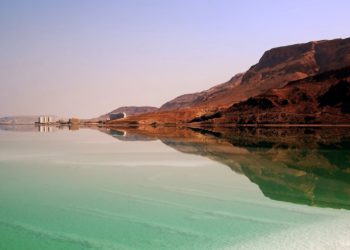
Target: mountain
[(276, 68), (215, 95), (281, 65), (322, 99)]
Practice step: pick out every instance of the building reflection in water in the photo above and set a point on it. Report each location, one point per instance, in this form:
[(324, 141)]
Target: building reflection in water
[(45, 129)]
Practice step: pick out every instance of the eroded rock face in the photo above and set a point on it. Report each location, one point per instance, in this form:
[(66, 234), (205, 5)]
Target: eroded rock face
[(281, 65), (323, 99), (337, 95)]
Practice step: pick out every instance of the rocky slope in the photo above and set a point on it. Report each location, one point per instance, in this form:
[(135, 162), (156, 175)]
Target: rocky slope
[(213, 97), (274, 70), (321, 99)]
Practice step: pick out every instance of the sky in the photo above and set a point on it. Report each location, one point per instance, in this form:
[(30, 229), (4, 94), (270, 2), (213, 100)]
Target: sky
[(85, 58)]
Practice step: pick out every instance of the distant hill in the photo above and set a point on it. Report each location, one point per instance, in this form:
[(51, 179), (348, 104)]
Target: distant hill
[(21, 120), (129, 110)]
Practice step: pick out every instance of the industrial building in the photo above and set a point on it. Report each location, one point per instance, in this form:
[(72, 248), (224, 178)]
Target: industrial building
[(45, 119)]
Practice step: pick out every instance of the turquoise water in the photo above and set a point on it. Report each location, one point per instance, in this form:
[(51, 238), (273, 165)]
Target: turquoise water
[(88, 190)]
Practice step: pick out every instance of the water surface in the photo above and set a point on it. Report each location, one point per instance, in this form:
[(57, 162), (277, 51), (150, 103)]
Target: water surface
[(118, 189)]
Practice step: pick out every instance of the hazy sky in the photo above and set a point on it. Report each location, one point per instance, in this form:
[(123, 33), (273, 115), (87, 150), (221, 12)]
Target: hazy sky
[(85, 58)]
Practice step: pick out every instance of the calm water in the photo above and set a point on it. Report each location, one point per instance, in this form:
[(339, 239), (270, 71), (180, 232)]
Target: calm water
[(91, 189)]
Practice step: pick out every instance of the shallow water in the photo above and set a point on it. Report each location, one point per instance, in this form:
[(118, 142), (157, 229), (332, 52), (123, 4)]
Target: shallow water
[(89, 190)]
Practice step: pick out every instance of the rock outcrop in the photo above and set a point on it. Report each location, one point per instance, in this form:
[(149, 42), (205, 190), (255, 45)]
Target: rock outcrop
[(320, 99)]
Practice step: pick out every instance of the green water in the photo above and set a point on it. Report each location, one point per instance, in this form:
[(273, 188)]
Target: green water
[(88, 190)]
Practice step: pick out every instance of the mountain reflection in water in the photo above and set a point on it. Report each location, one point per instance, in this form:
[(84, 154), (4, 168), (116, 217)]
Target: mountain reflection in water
[(308, 166)]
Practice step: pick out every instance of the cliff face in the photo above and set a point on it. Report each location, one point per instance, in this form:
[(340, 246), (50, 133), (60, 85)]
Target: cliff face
[(323, 98), (276, 68), (280, 65)]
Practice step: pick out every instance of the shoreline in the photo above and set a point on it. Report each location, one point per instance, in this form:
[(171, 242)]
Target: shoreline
[(284, 125)]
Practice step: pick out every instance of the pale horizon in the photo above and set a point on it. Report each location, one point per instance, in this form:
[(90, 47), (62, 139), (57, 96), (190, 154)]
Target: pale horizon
[(84, 59)]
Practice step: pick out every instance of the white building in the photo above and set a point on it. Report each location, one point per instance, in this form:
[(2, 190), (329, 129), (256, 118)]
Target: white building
[(45, 119)]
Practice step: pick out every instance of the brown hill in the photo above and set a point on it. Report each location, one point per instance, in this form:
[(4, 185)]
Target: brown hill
[(212, 97), (275, 69), (321, 99)]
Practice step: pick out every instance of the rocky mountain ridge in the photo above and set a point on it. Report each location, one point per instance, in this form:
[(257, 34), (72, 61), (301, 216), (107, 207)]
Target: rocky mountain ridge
[(320, 99), (276, 68)]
